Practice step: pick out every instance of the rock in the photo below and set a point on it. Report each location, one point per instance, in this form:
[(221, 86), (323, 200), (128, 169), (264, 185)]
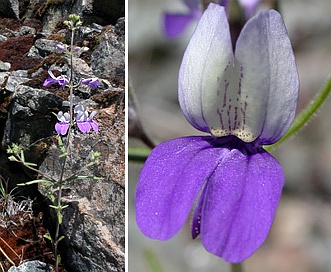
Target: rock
[(4, 66), (25, 30), (46, 47), (108, 57), (9, 8), (15, 79), (31, 118), (2, 38), (31, 266)]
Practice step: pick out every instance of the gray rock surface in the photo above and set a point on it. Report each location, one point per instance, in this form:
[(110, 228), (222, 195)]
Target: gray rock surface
[(29, 111), (31, 266), (108, 57)]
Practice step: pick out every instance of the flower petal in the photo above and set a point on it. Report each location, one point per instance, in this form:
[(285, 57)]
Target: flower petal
[(49, 82), (269, 77), (169, 183), (94, 125), (207, 55), (240, 202), (175, 24), (249, 6), (61, 128), (84, 126)]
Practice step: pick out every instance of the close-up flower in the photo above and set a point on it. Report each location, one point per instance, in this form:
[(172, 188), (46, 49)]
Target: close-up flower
[(61, 80), (62, 126), (245, 100), (91, 82)]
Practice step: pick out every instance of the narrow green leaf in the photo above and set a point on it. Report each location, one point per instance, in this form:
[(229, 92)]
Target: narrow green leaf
[(60, 239), (64, 206), (97, 178), (64, 154), (30, 164), (12, 158), (22, 156), (59, 218), (48, 238), (35, 181)]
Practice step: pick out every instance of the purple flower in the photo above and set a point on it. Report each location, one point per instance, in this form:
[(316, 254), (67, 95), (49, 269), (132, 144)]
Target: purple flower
[(81, 49), (61, 80), (175, 24), (249, 6), (84, 121), (245, 100), (62, 126), (91, 82), (61, 47)]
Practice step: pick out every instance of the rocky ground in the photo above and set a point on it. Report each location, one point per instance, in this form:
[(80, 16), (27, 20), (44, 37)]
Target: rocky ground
[(93, 223)]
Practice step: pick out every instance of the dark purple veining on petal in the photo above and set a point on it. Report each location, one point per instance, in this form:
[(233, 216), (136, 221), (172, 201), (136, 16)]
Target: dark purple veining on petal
[(233, 105)]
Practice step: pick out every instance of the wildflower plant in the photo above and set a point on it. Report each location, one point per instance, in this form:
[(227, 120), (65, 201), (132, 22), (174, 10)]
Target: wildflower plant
[(77, 116)]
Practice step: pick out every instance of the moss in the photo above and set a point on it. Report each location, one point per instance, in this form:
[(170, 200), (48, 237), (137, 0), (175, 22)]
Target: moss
[(47, 62), (40, 9), (10, 23), (14, 51), (108, 98), (57, 37)]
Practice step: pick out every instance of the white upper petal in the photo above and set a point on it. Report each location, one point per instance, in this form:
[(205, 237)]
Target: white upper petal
[(207, 55), (270, 79), (252, 95)]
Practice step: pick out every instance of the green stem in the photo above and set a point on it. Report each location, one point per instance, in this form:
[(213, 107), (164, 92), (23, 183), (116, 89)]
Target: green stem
[(237, 267), (305, 115), (60, 182)]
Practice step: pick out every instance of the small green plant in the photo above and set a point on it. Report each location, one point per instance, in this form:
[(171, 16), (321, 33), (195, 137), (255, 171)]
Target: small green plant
[(9, 207)]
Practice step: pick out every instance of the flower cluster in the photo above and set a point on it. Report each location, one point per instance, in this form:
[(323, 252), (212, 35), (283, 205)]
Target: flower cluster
[(83, 120), (63, 80)]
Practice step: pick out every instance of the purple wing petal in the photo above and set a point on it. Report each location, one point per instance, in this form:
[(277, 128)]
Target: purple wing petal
[(61, 128), (270, 81), (169, 183), (84, 127), (207, 56), (49, 81), (240, 202), (94, 125), (175, 24)]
